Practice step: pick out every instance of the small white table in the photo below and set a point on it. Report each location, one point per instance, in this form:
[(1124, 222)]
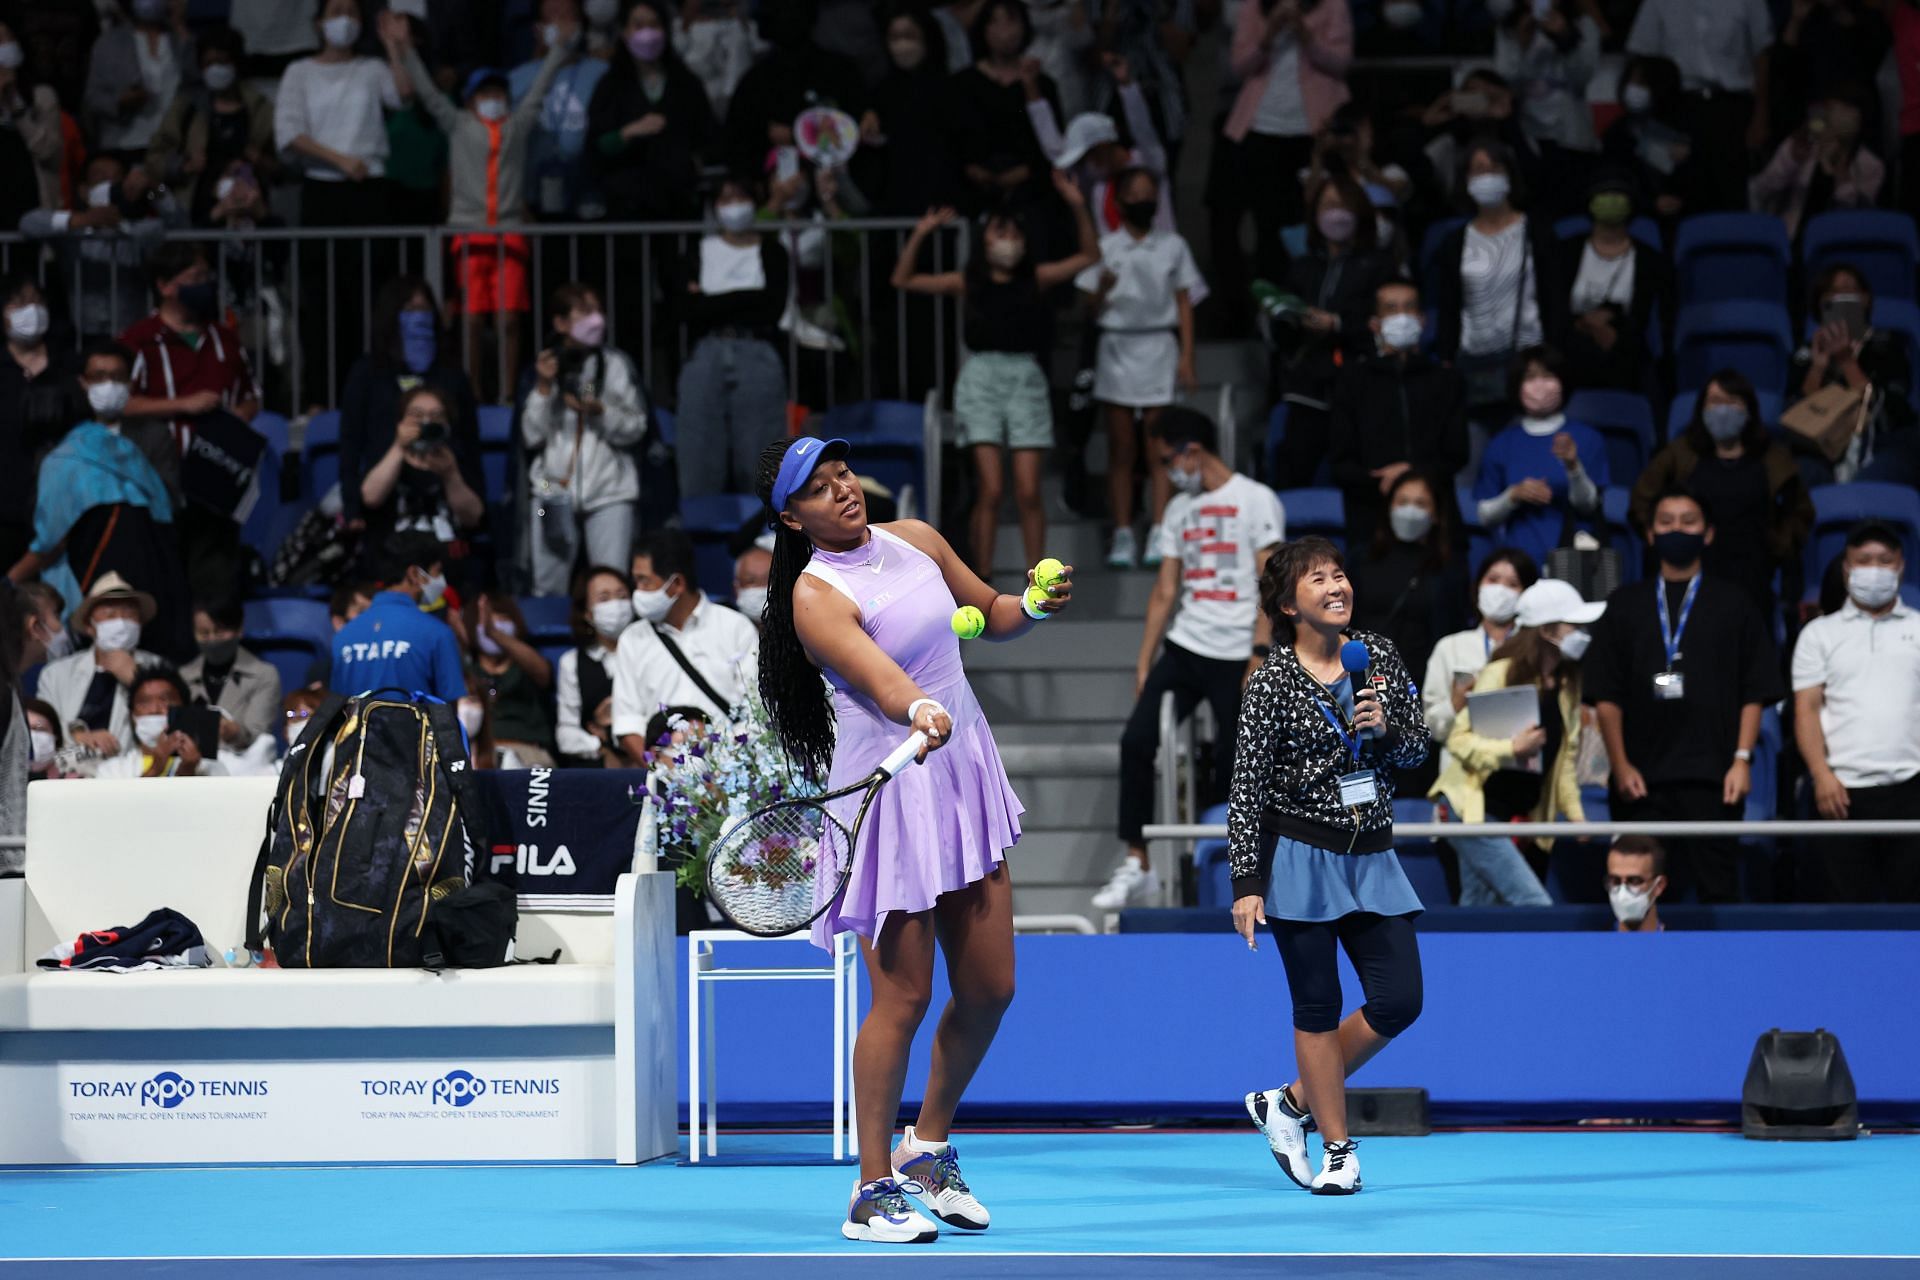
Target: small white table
[(841, 968)]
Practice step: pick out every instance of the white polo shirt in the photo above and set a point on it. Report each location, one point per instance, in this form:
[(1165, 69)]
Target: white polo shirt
[(723, 644), (1870, 671), (1148, 271), (1215, 537)]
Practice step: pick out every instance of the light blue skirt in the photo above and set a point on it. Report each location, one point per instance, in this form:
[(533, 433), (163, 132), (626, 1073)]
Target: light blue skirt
[(1312, 884)]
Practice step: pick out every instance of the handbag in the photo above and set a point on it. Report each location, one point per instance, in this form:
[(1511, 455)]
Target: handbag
[(1830, 418)]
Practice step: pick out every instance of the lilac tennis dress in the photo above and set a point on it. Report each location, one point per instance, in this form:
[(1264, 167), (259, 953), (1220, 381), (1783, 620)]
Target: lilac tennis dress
[(940, 826)]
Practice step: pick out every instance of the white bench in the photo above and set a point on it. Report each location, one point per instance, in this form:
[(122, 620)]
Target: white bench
[(574, 1060)]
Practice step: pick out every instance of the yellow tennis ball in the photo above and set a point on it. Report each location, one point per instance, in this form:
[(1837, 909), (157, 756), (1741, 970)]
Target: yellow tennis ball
[(1048, 573), (1037, 596), (969, 623)]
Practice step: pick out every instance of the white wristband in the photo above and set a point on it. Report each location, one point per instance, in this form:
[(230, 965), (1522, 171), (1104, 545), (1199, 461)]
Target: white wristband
[(913, 710)]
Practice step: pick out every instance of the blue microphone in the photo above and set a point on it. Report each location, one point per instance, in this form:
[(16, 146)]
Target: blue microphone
[(1355, 659)]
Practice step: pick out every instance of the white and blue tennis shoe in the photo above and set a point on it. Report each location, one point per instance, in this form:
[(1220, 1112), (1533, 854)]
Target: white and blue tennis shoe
[(881, 1212), (943, 1189)]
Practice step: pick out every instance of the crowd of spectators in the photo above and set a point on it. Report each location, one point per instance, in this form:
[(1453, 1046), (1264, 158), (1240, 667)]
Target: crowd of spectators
[(1435, 279)]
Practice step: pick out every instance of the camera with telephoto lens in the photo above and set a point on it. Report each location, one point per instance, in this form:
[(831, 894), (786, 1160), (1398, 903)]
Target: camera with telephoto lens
[(433, 435)]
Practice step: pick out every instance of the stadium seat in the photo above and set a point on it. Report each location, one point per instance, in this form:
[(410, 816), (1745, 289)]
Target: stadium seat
[(549, 618), (496, 424), (320, 453), (1625, 419), (1420, 858), (1680, 412), (711, 521), (258, 529), (1320, 511), (1751, 337), (1645, 231), (290, 634), (1614, 501), (274, 428), (1212, 873), (1430, 249), (1880, 243), (663, 423), (888, 439), (1724, 257), (1838, 507)]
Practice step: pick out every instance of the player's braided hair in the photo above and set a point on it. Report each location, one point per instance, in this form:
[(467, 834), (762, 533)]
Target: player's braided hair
[(790, 685)]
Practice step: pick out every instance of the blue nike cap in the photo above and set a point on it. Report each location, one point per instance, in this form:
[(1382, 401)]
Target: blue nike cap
[(807, 453)]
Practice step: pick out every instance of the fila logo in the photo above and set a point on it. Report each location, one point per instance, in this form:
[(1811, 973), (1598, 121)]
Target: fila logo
[(525, 859)]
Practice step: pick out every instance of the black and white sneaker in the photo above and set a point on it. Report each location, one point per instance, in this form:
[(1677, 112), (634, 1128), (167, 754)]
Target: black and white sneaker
[(881, 1212), (1285, 1131), (1339, 1171)]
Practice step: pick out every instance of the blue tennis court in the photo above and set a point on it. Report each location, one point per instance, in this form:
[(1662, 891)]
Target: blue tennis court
[(1087, 1204)]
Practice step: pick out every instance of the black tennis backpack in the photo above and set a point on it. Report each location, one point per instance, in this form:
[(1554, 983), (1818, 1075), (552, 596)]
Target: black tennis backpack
[(375, 829)]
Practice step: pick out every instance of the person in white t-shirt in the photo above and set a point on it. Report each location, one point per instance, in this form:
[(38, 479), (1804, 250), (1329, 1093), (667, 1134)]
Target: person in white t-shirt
[(1143, 288), (1856, 681), (1215, 538)]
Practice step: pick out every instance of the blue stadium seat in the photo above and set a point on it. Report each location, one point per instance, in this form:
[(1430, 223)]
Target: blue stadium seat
[(1430, 249), (1276, 436), (320, 453), (496, 467), (1880, 243), (1837, 507), (1722, 257), (1212, 873), (1321, 511), (1479, 541), (496, 424), (1625, 419), (1749, 336), (274, 427), (549, 618), (1614, 501), (1420, 858), (888, 439), (664, 422), (1645, 231), (288, 633), (711, 521), (261, 522), (1680, 412)]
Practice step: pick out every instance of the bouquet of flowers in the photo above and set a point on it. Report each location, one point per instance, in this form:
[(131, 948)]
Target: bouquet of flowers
[(703, 775)]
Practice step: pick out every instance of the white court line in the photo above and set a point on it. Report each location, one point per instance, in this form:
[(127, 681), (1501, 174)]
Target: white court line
[(979, 1256)]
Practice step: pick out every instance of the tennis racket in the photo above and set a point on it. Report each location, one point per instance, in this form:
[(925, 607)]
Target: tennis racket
[(778, 870)]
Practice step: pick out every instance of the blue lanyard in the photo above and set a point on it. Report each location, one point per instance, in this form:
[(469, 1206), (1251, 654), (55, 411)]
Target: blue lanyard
[(1670, 631), (1337, 718)]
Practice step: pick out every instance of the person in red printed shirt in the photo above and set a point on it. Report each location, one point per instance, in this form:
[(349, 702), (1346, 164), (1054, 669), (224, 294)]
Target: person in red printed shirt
[(1215, 538)]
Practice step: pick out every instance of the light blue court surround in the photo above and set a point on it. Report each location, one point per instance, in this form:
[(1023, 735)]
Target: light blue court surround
[(1516, 1196)]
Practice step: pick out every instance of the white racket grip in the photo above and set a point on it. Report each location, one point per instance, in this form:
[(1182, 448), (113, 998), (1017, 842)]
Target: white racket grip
[(903, 755)]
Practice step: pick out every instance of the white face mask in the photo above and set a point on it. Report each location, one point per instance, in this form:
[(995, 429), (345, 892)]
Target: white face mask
[(28, 323), (1410, 523), (1573, 645), (59, 643), (44, 745), (148, 729), (341, 32), (1636, 98), (611, 617), (433, 589), (108, 399), (116, 634), (1498, 602), (751, 601), (1872, 586), (652, 606), (10, 55), (1630, 905), (219, 76), (99, 195), (734, 215), (1184, 480), (472, 715), (491, 109), (1401, 331), (1489, 189)]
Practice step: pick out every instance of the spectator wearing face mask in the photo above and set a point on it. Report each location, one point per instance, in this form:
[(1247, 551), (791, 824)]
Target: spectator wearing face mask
[(1532, 776), (102, 508), (580, 424), (733, 388), (44, 743), (327, 117), (394, 644), (1650, 138), (159, 750), (683, 649), (1618, 291), (1542, 476), (650, 126), (1292, 59), (1762, 512), (90, 690), (1548, 50), (512, 675), (33, 373), (795, 74), (31, 143), (1392, 411), (211, 124), (422, 483), (244, 688), (100, 246), (717, 42), (43, 635), (1001, 399), (1091, 150), (556, 154), (1856, 681), (1846, 350), (476, 719), (1636, 881), (407, 353), (752, 569), (1001, 157), (1458, 658), (1681, 668), (583, 684), (1720, 47), (1824, 165), (133, 73), (909, 132), (1411, 583)]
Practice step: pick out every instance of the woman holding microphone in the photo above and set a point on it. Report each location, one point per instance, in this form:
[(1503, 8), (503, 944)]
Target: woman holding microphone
[(1324, 725)]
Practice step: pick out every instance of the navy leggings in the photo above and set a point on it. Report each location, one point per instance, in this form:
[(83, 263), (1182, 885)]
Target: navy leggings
[(1384, 954)]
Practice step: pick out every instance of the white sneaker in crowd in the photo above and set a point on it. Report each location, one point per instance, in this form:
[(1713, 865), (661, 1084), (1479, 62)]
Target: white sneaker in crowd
[(1150, 558), (1339, 1170), (1132, 885), (1121, 552)]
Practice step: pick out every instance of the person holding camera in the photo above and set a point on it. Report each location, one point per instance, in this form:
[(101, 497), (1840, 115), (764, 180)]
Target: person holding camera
[(580, 424), (418, 484), (167, 746)]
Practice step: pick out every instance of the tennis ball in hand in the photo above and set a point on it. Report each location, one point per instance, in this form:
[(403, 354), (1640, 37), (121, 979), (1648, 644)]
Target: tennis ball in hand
[(1049, 573), (1036, 597), (969, 623)]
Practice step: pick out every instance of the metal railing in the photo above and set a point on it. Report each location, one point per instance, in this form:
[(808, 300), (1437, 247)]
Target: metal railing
[(1587, 830), (303, 298)]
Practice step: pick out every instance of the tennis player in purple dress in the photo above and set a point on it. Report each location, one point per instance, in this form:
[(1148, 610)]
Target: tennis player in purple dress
[(870, 608)]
